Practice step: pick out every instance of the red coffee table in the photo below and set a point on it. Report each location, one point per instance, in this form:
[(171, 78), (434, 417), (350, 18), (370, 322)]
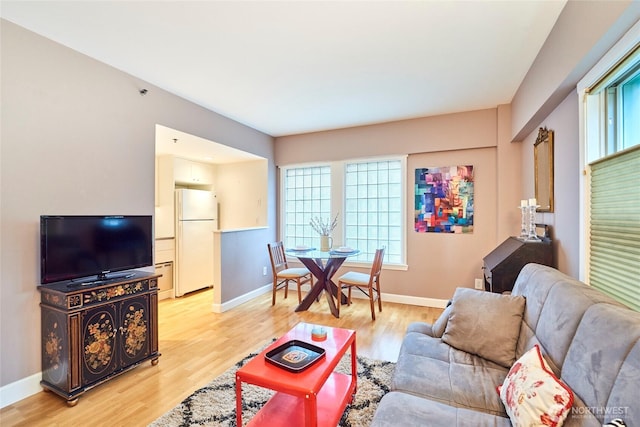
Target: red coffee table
[(316, 396)]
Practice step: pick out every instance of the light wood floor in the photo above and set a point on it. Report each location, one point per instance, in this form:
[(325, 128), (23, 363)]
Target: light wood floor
[(198, 345)]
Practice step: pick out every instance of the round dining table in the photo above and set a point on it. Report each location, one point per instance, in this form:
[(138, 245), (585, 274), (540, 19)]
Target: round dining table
[(323, 265)]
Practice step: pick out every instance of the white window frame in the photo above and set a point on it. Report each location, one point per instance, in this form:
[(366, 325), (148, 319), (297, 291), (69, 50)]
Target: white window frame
[(592, 144), (338, 203)]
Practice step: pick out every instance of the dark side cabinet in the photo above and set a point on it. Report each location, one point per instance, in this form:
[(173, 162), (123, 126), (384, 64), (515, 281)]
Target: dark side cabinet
[(503, 264), (91, 334)]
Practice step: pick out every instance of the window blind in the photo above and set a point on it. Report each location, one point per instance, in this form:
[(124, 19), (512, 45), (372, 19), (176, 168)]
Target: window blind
[(615, 226)]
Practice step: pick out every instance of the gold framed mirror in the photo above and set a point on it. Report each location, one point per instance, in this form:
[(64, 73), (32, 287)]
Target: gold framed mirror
[(543, 160)]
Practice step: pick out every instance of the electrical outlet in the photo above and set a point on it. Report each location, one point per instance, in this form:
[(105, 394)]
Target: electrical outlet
[(264, 270), (479, 284)]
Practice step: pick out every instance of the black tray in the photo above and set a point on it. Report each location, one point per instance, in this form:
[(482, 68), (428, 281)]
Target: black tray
[(295, 355)]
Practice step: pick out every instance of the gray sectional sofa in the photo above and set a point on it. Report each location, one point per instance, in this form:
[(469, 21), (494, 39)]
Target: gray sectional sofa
[(590, 341)]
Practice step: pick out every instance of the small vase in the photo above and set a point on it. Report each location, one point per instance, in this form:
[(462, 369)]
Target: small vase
[(325, 243)]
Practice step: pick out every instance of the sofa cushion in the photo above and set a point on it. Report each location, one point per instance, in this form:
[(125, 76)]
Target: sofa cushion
[(534, 282), (533, 395), (625, 389), (602, 365), (555, 306), (430, 368), (558, 322), (401, 409), (485, 324)]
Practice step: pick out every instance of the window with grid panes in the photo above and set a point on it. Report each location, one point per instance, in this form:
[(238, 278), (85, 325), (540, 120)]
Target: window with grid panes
[(373, 208), (367, 195), (307, 193)]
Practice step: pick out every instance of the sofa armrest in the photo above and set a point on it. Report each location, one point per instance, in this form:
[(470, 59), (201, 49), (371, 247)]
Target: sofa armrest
[(421, 327)]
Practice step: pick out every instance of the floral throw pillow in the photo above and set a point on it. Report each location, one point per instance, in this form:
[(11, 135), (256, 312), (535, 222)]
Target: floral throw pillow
[(533, 395)]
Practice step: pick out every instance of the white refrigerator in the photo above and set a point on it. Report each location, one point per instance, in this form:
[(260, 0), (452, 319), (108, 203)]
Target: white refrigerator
[(196, 220)]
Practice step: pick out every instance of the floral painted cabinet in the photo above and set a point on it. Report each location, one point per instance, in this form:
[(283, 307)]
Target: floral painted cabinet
[(90, 335), (107, 347), (98, 343)]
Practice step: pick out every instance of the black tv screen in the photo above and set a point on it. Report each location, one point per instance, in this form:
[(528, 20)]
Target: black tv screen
[(73, 247)]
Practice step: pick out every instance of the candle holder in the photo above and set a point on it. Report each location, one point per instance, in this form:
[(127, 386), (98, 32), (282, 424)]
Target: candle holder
[(524, 224), (531, 235)]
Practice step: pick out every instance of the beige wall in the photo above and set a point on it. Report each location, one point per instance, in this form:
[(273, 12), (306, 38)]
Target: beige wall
[(438, 263), (564, 220), (509, 178), (78, 138), (428, 134)]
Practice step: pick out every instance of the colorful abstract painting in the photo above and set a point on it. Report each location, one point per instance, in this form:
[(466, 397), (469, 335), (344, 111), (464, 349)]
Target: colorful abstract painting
[(444, 200)]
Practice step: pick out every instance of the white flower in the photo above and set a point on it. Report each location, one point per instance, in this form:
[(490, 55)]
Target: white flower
[(321, 227)]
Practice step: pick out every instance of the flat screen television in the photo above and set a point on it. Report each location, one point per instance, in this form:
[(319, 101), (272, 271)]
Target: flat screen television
[(74, 247)]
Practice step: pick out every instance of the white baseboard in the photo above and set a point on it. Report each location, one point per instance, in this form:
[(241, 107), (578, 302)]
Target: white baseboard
[(406, 299), (400, 299), (220, 308), (21, 389)]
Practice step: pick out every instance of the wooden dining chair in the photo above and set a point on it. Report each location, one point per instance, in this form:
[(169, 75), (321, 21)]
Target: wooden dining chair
[(369, 284), (282, 274)]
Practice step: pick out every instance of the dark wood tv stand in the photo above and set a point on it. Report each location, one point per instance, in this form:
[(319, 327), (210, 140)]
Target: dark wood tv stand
[(93, 333)]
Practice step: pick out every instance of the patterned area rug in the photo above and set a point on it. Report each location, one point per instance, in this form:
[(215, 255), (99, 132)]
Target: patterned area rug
[(215, 404)]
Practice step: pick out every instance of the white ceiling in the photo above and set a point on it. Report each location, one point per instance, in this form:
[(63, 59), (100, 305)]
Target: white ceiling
[(288, 67)]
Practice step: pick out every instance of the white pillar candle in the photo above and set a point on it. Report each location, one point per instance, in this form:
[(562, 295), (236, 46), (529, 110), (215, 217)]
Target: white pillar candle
[(523, 203), (532, 202)]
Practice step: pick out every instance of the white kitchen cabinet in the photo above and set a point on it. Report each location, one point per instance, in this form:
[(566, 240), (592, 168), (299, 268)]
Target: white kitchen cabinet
[(190, 172), (181, 170), (202, 173)]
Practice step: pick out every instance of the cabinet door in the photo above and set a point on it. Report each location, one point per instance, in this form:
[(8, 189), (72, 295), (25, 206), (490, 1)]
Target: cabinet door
[(135, 331), (202, 173), (99, 341), (190, 172), (182, 170)]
